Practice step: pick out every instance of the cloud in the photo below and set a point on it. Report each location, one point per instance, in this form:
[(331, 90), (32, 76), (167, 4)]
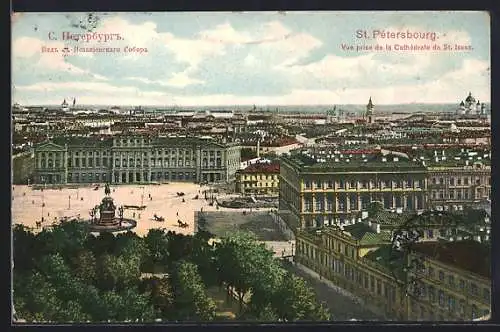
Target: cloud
[(36, 51), (177, 80)]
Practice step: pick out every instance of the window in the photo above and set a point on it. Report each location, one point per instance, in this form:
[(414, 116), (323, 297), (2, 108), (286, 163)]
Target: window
[(462, 284), (372, 283), (379, 287), (308, 185), (430, 234), (432, 294), (452, 181), (466, 181), (441, 275), (441, 181), (461, 308), (441, 298), (473, 289), (352, 185), (451, 281), (341, 184), (474, 312), (433, 180), (451, 303), (486, 294), (69, 162)]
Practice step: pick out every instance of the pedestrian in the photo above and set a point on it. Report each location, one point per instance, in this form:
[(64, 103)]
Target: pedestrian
[(177, 213), (133, 215)]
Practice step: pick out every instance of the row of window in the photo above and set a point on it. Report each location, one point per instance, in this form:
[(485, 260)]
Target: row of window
[(154, 152), (452, 194), (458, 181), (130, 176), (259, 184), (449, 279), (431, 294), (350, 273), (341, 184), (388, 201), (261, 177)]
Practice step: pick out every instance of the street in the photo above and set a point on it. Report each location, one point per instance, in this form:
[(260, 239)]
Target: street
[(342, 308)]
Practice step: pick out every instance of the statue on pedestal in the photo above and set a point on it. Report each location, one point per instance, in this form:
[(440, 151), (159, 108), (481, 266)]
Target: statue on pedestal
[(107, 191)]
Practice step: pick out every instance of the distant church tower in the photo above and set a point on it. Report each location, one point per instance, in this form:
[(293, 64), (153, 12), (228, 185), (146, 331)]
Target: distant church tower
[(369, 111), (65, 105)]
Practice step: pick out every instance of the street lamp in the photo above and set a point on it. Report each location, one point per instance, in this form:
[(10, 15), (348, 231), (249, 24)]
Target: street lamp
[(69, 202)]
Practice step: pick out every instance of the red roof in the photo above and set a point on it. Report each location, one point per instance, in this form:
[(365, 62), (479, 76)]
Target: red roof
[(262, 168)]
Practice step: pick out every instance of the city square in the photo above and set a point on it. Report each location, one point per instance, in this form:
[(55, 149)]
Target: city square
[(162, 200)]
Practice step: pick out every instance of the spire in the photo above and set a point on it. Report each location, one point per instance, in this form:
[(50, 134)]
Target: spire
[(370, 103)]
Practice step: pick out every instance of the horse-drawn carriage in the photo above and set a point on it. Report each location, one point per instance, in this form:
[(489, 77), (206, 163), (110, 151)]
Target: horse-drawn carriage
[(158, 218), (180, 194), (182, 224)]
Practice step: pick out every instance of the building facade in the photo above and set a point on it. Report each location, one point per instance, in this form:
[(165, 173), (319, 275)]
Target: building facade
[(135, 159), (350, 261), (361, 261), (453, 283), (258, 179), (453, 186), (318, 190)]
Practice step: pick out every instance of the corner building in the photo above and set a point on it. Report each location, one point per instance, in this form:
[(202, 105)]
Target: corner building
[(135, 159)]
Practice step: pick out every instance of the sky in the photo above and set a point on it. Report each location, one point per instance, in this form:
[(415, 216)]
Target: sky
[(247, 58)]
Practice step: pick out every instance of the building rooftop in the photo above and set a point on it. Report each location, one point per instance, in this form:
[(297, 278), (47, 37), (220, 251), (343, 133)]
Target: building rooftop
[(328, 160), (387, 258), (367, 235), (262, 168), (468, 255)]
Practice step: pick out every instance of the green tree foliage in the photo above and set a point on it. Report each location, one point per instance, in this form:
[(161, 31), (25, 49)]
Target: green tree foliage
[(191, 299), (161, 294), (244, 264), (68, 275), (295, 300)]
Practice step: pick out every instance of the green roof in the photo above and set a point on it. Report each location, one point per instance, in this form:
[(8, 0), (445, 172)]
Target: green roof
[(366, 235), (388, 259)]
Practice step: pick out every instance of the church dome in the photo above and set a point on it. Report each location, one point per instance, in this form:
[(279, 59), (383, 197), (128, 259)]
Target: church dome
[(470, 99)]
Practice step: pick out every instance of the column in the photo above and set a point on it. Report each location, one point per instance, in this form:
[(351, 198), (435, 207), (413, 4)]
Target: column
[(120, 177), (405, 202), (359, 201), (393, 200)]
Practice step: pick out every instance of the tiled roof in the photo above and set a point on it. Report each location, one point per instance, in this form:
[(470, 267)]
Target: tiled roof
[(468, 255), (262, 168)]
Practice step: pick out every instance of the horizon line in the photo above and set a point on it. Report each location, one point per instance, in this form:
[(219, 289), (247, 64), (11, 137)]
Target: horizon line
[(244, 105)]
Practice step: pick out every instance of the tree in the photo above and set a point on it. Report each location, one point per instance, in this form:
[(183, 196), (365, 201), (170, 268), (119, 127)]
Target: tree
[(161, 294), (191, 300), (295, 300), (24, 243), (243, 264), (85, 266), (157, 243)]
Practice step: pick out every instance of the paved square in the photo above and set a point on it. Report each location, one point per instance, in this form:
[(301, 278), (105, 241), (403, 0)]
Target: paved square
[(27, 204)]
